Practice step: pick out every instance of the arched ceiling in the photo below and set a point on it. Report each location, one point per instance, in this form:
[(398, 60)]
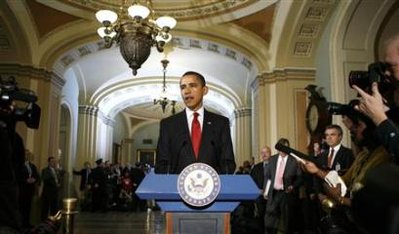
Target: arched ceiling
[(211, 37), (228, 66)]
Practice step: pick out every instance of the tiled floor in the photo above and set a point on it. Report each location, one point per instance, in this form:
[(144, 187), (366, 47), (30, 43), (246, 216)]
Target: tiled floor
[(119, 223)]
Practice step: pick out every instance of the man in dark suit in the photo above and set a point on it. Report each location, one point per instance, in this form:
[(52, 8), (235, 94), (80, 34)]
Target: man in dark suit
[(98, 179), (258, 175), (195, 134), (337, 157), (283, 179), (84, 186), (51, 185)]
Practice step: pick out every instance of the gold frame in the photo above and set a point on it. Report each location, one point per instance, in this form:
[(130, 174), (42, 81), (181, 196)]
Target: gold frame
[(147, 155)]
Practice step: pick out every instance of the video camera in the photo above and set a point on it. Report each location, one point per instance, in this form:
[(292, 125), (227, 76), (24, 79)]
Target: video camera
[(9, 94), (377, 72)]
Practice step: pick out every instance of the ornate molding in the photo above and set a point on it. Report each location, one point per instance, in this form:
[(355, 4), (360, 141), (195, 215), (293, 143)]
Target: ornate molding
[(182, 42), (106, 120), (315, 16), (284, 74), (179, 10), (31, 72)]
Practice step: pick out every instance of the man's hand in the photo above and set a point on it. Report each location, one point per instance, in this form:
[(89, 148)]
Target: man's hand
[(372, 105), (309, 167), (333, 192)]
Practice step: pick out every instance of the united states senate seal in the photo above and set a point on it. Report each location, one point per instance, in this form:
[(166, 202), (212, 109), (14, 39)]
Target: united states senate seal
[(198, 184)]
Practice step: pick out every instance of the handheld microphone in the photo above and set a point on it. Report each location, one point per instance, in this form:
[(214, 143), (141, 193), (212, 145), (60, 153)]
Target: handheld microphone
[(299, 156)]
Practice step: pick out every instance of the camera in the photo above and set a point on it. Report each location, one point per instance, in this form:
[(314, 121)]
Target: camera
[(377, 72), (342, 109), (10, 94)]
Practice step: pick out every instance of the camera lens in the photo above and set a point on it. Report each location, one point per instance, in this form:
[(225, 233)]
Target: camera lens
[(336, 108), (359, 78)]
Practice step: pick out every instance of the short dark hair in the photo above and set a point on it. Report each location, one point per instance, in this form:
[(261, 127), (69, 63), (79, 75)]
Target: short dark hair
[(198, 75), (50, 158), (284, 141), (335, 126)]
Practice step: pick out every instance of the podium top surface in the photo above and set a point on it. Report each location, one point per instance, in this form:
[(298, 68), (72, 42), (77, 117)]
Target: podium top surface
[(164, 187)]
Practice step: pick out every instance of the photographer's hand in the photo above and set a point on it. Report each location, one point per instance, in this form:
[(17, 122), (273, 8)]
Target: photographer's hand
[(372, 105)]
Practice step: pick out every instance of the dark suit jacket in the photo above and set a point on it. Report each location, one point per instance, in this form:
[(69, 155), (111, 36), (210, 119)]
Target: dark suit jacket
[(258, 174), (175, 151), (84, 177), (50, 186), (292, 175), (24, 175), (344, 158)]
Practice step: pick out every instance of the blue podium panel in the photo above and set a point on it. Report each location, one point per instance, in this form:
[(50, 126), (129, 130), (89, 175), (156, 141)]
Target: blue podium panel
[(163, 189)]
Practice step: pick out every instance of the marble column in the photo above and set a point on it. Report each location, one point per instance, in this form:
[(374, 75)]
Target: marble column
[(87, 130), (242, 135)]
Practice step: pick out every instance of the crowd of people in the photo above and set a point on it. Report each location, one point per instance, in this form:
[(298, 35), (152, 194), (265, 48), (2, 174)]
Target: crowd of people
[(356, 187), (111, 186)]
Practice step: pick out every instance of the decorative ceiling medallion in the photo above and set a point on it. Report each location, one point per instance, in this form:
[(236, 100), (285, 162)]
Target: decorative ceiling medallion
[(317, 13), (303, 49), (309, 31)]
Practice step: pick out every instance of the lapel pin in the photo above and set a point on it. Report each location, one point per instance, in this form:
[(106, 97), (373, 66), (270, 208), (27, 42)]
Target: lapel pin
[(209, 123)]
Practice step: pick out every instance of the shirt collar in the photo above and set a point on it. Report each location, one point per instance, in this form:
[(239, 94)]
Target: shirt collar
[(190, 113), (336, 148)]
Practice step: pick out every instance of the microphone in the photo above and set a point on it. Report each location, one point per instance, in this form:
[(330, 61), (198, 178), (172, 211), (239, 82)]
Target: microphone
[(299, 156), (183, 144)]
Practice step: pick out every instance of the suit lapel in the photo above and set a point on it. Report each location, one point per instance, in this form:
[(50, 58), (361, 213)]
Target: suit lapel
[(184, 133)]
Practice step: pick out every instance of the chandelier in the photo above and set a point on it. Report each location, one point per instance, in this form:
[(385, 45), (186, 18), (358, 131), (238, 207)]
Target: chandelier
[(135, 30), (163, 100)]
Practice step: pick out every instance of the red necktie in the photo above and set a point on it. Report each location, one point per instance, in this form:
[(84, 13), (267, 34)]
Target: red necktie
[(330, 158), (196, 134)]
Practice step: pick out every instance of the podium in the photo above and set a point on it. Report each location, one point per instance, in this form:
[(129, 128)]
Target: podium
[(183, 218)]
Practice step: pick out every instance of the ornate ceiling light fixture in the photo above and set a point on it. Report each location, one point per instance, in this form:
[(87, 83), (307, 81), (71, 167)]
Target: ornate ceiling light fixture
[(163, 100), (136, 31)]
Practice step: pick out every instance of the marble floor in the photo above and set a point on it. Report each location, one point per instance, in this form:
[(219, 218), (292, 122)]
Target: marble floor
[(115, 222)]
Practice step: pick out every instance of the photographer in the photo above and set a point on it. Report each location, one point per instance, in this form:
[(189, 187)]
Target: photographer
[(371, 155), (373, 104), (12, 158)]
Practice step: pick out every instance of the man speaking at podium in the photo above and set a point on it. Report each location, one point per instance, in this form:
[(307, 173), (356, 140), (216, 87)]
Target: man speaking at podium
[(194, 135)]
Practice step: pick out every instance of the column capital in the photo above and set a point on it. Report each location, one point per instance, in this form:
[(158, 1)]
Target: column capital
[(88, 110), (242, 112)]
